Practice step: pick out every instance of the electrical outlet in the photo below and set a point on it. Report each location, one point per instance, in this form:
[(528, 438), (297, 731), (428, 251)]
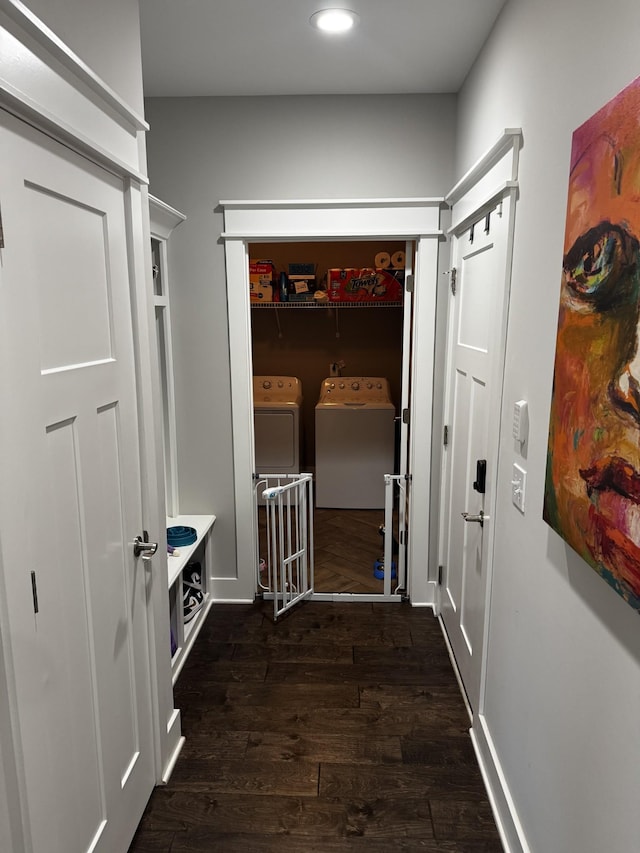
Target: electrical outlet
[(518, 486)]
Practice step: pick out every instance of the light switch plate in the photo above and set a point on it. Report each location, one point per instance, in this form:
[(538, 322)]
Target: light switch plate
[(520, 421), (518, 487)]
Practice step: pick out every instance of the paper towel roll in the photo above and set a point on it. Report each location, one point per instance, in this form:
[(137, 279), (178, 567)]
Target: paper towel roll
[(397, 260), (382, 261)]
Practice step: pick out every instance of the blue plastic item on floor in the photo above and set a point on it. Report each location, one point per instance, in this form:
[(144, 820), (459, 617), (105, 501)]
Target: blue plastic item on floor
[(378, 570), (181, 536)]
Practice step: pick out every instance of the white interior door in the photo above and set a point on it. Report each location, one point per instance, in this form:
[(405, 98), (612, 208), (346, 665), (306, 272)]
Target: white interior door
[(70, 502), (476, 343)]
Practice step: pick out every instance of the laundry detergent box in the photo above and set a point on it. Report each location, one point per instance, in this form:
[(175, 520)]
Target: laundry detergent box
[(262, 276), (364, 285)]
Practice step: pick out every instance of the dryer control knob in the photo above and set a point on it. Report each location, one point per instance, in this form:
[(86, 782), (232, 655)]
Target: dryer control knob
[(281, 384), (355, 386), (369, 385), (266, 385), (332, 386), (341, 385), (379, 385)]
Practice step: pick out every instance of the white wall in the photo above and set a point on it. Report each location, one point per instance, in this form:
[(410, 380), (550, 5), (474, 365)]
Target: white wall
[(563, 678), (203, 150), (105, 35)]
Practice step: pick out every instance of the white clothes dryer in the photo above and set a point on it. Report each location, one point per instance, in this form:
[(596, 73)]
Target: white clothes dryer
[(276, 414), (355, 442)]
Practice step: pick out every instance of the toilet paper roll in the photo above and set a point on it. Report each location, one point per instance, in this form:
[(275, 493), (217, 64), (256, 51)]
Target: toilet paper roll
[(382, 261), (397, 260)]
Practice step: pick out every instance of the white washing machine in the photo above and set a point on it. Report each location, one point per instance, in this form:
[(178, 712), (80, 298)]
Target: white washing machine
[(276, 414), (355, 437)]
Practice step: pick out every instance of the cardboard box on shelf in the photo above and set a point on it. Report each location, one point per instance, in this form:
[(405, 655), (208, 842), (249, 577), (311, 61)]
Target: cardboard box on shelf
[(306, 269), (301, 284), (261, 281)]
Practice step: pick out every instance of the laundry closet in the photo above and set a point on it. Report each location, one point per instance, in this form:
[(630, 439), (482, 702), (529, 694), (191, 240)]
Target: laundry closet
[(327, 348)]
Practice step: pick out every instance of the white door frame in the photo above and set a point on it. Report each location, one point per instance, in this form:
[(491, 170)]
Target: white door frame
[(492, 179), (44, 83), (416, 219)]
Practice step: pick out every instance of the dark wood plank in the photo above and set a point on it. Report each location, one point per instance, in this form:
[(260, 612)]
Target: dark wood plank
[(429, 722), (299, 695), (362, 782), (333, 748), (362, 674), (441, 752), (245, 776), (146, 841), (226, 671), (463, 819), (205, 840), (286, 653), (416, 696), (394, 655), (220, 746), (230, 813)]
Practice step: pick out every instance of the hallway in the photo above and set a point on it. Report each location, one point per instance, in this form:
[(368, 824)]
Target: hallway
[(341, 728)]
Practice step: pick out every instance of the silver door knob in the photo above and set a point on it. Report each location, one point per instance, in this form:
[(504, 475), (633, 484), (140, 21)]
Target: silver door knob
[(479, 519), (144, 549)]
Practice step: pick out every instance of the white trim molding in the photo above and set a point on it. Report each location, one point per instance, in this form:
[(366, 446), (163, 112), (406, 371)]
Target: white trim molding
[(416, 219), (504, 810), (510, 141), (336, 219), (43, 82)]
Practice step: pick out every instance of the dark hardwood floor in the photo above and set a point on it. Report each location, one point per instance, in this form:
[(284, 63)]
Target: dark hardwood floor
[(340, 728)]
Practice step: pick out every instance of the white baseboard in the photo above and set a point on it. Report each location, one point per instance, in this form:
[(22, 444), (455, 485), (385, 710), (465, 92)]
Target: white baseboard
[(504, 811), (231, 591), (171, 763)]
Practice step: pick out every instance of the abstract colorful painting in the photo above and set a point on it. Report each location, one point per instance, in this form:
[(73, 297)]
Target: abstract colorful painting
[(592, 491)]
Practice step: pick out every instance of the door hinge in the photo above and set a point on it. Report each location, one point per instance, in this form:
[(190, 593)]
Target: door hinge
[(406, 416), (34, 592), (445, 436), (453, 278), (440, 571), (409, 283)]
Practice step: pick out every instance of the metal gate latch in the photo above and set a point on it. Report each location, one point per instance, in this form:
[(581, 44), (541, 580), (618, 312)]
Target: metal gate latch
[(479, 519)]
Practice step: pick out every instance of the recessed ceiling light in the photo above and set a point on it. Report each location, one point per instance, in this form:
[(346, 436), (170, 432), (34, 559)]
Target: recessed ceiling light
[(334, 20)]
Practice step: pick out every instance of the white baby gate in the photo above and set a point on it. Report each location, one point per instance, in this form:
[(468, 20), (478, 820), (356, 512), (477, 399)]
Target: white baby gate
[(396, 493), (285, 544)]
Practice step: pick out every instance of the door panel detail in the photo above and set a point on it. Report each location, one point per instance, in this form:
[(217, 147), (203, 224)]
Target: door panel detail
[(71, 502)]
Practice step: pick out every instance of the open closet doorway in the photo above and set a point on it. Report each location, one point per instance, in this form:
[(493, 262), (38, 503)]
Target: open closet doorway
[(262, 228), (336, 332)]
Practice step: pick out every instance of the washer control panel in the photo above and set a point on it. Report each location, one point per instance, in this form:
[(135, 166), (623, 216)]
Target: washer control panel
[(355, 390), (283, 389)]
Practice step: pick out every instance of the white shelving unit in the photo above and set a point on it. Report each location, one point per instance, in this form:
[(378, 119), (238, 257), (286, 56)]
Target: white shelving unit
[(163, 220), (200, 551)]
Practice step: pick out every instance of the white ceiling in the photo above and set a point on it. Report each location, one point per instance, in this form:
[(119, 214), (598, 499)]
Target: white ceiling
[(268, 47)]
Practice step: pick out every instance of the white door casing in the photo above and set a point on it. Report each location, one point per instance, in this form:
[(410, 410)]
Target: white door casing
[(70, 504), (414, 219), (482, 236)]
